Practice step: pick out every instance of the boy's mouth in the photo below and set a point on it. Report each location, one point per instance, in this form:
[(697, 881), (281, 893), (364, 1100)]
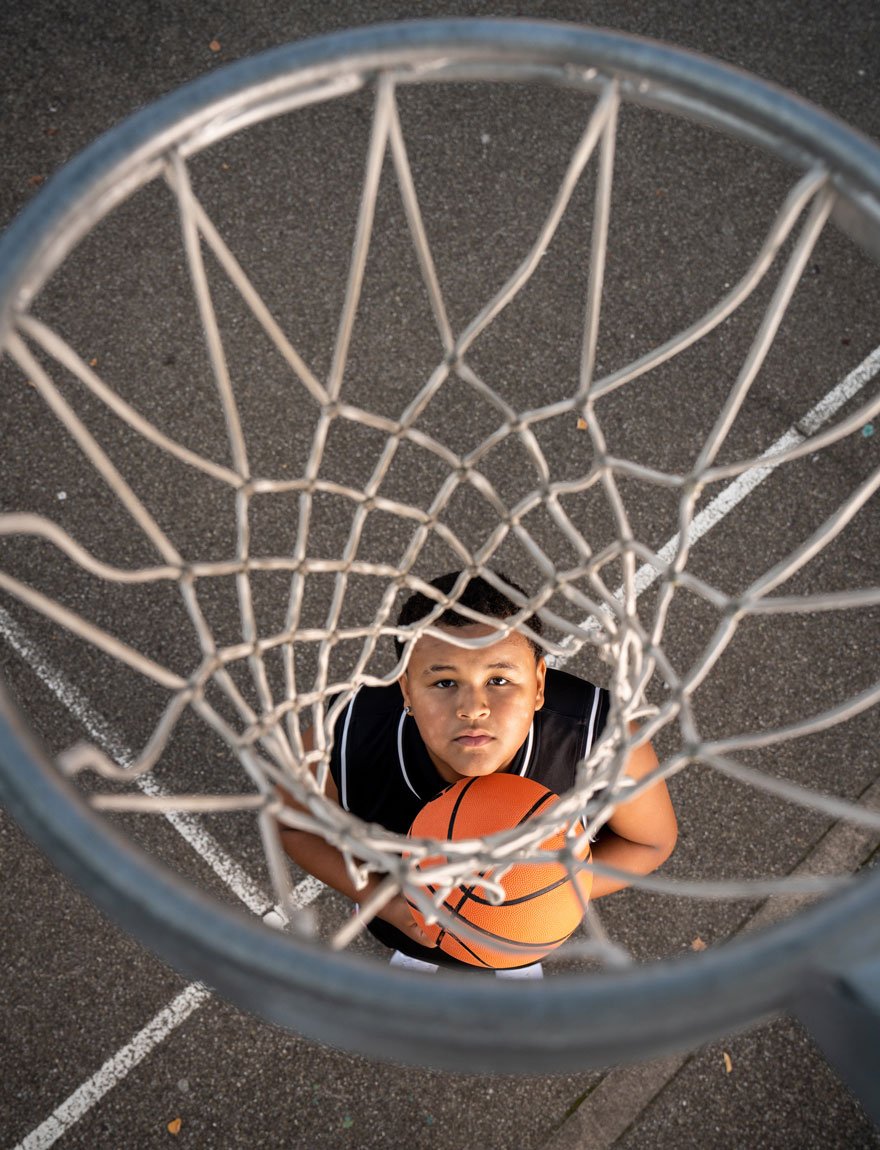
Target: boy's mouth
[(474, 739)]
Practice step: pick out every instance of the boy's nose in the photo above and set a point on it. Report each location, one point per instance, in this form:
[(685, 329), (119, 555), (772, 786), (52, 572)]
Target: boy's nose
[(473, 705)]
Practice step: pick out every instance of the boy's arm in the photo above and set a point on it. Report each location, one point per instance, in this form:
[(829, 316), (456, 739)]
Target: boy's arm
[(322, 860), (640, 834)]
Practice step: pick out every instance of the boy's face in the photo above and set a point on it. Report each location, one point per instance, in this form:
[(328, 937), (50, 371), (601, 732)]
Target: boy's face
[(473, 706)]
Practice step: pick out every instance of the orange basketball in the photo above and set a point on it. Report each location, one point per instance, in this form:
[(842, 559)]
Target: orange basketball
[(541, 907)]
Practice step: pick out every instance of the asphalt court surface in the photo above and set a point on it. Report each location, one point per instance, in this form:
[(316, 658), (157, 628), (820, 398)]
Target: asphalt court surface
[(79, 997)]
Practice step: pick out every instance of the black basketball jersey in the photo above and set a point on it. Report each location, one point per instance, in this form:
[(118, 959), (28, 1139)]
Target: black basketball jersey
[(384, 773)]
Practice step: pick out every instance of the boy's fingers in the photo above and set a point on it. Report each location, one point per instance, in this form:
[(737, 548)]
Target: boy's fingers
[(419, 936), (397, 912)]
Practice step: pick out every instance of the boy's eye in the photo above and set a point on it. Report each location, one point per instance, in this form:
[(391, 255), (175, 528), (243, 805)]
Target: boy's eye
[(495, 681)]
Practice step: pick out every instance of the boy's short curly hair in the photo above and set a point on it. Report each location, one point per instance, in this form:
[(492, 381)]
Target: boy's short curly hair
[(479, 595)]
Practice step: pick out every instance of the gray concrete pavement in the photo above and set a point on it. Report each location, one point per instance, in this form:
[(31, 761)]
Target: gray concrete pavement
[(76, 991)]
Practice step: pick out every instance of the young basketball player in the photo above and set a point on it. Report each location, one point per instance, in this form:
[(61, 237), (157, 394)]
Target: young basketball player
[(463, 712)]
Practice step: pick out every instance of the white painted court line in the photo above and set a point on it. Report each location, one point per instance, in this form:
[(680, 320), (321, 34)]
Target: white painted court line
[(744, 484), (227, 869), (116, 1068), (144, 1042), (105, 735)]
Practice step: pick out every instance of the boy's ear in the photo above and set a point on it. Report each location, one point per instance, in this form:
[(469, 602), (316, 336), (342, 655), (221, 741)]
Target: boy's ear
[(403, 683), (541, 674)]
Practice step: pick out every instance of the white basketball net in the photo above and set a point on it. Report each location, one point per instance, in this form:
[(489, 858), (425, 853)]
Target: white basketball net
[(592, 601)]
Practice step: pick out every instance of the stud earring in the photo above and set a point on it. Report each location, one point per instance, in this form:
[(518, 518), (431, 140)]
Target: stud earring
[(407, 710)]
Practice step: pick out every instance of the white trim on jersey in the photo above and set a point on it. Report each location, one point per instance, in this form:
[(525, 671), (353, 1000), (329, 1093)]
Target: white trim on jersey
[(400, 754), (343, 754), (592, 724), (527, 757)]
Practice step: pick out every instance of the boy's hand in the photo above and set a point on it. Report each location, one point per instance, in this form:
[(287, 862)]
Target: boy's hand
[(397, 913)]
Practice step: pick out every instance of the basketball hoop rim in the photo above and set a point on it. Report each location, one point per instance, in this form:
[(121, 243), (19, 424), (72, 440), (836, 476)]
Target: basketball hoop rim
[(473, 1023), (455, 1022)]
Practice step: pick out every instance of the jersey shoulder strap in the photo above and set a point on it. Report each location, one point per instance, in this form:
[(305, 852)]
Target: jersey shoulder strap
[(571, 720), (365, 747)]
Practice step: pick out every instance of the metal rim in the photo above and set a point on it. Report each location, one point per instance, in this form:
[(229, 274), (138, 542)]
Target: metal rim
[(567, 1022), (473, 1024)]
